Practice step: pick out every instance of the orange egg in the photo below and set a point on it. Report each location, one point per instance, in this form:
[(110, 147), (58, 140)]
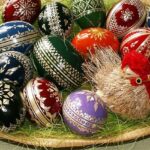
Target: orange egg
[(89, 39)]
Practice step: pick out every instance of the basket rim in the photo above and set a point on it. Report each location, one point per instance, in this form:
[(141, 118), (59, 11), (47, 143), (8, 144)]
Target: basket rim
[(67, 143)]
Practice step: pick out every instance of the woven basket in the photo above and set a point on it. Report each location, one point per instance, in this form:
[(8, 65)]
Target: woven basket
[(68, 142)]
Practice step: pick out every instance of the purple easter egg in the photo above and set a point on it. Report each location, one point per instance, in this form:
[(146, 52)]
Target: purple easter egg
[(84, 112)]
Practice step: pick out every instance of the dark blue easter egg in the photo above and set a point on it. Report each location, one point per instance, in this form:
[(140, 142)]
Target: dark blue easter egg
[(17, 36), (12, 112), (15, 67)]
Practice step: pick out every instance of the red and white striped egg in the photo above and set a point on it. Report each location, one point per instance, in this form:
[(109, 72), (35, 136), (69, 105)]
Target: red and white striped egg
[(138, 40)]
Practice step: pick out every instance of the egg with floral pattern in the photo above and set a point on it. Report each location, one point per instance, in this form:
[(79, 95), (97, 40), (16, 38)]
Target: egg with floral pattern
[(56, 19), (55, 58), (42, 100), (88, 40), (24, 10), (15, 68), (125, 16), (17, 36), (84, 112), (12, 112)]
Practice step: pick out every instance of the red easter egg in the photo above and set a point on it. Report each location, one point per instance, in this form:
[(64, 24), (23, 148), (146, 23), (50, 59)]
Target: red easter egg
[(87, 40), (125, 16), (138, 40), (24, 10), (42, 100)]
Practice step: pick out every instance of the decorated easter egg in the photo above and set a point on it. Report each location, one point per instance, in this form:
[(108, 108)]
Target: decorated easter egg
[(89, 13), (42, 100), (17, 36), (125, 16), (148, 18), (88, 40), (138, 40), (15, 67), (12, 112), (56, 59), (55, 18), (84, 112), (25, 10)]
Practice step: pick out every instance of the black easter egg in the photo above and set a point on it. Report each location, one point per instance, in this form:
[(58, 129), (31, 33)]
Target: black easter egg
[(12, 112), (55, 18)]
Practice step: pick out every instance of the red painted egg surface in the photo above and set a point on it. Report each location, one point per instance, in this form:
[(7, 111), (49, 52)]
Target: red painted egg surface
[(25, 10), (126, 16), (42, 99), (138, 40), (90, 39)]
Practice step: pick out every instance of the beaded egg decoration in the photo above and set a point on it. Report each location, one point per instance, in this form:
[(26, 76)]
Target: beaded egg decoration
[(15, 67), (42, 100), (56, 59), (84, 113), (125, 16), (87, 40), (89, 13), (17, 36), (12, 112), (56, 19), (138, 40), (24, 10)]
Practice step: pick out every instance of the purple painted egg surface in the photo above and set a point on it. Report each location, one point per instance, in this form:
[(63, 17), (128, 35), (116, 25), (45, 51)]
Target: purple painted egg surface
[(84, 112)]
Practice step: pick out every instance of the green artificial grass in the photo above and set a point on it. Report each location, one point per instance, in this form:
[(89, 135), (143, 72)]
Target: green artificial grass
[(113, 126)]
